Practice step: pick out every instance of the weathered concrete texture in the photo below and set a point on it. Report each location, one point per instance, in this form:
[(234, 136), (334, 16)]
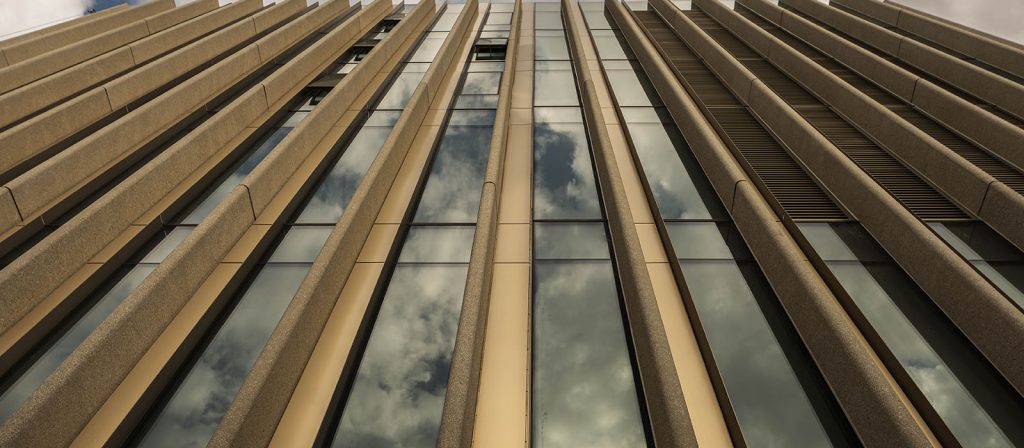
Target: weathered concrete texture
[(100, 362), (163, 41), (44, 64), (48, 39), (958, 38), (1005, 94), (670, 419)]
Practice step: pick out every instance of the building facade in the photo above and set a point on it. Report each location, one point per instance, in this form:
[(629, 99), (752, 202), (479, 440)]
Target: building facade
[(551, 224)]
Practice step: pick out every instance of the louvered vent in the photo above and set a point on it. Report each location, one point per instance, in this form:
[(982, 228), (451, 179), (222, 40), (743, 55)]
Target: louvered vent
[(792, 189)]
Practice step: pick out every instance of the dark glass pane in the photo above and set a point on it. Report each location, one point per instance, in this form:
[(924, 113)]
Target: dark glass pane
[(167, 244), (400, 384), (644, 115), (771, 406), (482, 83), (486, 66), (584, 393), (569, 241), (1008, 276), (445, 244), (401, 91), (332, 196), (554, 88), (842, 241), (961, 389), (192, 414), (221, 191), (557, 115), (452, 192), (673, 174), (550, 48), (563, 181), (54, 355), (629, 90), (547, 20), (609, 45), (976, 241), (301, 244), (470, 117), (699, 240)]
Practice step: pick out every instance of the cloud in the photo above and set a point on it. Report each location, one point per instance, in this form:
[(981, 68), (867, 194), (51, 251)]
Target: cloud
[(18, 17)]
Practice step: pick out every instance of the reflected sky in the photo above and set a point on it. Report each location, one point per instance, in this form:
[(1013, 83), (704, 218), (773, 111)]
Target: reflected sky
[(481, 83), (584, 393), (301, 244), (771, 406), (438, 244), (549, 47), (399, 389), (401, 90), (940, 363), (452, 192), (336, 189), (990, 253), (547, 20), (570, 241), (195, 409), (563, 181), (554, 88), (41, 368)]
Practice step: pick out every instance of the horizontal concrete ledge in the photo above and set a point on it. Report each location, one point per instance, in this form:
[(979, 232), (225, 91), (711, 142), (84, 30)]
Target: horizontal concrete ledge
[(48, 39)]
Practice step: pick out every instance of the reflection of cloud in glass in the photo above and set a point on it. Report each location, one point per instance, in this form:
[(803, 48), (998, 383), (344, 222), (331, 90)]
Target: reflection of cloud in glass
[(969, 422), (550, 48), (442, 244), (674, 191), (584, 393), (35, 374), (563, 182), (481, 83), (401, 90), (301, 244), (452, 193), (197, 406), (399, 389), (569, 241), (333, 194), (554, 88), (771, 406)]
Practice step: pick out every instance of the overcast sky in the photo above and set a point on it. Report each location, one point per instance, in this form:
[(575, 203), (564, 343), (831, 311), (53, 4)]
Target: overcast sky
[(1003, 18)]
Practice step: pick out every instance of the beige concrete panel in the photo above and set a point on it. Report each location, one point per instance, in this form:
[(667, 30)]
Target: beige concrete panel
[(941, 273), (513, 243), (56, 28), (637, 198), (126, 89), (151, 47), (876, 9), (860, 29), (705, 411), (378, 243), (33, 136), (9, 216), (290, 33), (33, 97), (172, 17), (735, 24), (29, 70), (766, 9), (517, 185), (310, 399), (276, 13), (394, 206), (41, 185), (991, 132), (502, 418), (1002, 92), (877, 408), (1003, 211), (64, 403), (73, 32), (650, 243), (891, 77)]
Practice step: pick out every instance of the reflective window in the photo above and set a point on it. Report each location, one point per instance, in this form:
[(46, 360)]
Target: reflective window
[(570, 241), (193, 412), (482, 83), (554, 88), (399, 389), (332, 196), (476, 102), (547, 20), (401, 91), (608, 45), (583, 390), (452, 193), (975, 404), (301, 244), (438, 244), (549, 48), (563, 178), (989, 252)]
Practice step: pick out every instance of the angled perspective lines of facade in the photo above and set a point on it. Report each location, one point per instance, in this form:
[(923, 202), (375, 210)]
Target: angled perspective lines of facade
[(547, 224)]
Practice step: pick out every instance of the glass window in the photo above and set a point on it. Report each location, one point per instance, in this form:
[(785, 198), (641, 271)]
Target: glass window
[(546, 20), (437, 244), (609, 45), (699, 240), (399, 389), (41, 368), (195, 409), (301, 244), (167, 244), (629, 90), (383, 118), (476, 102), (563, 179), (447, 20), (548, 48), (502, 7), (584, 393), (332, 195), (554, 88), (499, 18), (765, 392), (460, 118), (452, 192), (427, 50), (557, 115), (482, 83), (486, 66), (570, 241), (842, 241), (596, 18), (993, 256), (672, 173), (401, 91)]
